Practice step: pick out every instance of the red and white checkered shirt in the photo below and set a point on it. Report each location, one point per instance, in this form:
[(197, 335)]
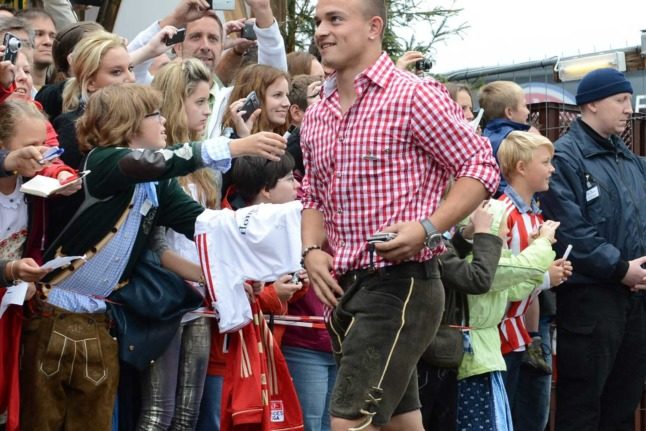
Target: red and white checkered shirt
[(387, 160)]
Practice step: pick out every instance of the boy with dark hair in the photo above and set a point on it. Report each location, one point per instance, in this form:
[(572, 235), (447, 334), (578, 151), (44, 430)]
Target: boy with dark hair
[(258, 182)]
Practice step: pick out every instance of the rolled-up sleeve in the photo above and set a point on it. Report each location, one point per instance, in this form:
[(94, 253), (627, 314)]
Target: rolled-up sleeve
[(311, 198), (216, 153), (439, 126)]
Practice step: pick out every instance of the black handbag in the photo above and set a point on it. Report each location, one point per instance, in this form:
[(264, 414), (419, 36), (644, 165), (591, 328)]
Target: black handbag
[(447, 348), (147, 311)]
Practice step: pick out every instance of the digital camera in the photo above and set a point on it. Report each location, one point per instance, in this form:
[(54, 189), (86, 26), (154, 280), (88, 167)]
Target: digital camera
[(424, 65), (250, 105), (12, 46), (248, 32)]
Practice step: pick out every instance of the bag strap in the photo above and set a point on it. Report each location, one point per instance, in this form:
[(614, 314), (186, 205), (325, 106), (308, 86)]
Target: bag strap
[(88, 201)]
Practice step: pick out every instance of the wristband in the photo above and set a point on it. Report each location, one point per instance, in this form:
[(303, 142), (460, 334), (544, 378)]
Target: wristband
[(307, 250)]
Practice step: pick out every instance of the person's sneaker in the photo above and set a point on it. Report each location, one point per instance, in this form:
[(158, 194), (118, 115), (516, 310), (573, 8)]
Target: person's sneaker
[(533, 356)]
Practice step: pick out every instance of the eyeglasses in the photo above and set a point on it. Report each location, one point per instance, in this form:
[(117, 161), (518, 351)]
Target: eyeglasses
[(154, 114)]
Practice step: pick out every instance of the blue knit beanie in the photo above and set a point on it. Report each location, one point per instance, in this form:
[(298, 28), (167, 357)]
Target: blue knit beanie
[(601, 83)]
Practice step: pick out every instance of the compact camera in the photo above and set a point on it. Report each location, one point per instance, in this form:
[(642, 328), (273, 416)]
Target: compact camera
[(250, 105), (424, 65), (381, 237), (248, 32), (12, 46)]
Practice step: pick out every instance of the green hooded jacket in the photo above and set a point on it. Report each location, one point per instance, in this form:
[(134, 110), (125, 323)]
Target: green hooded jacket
[(516, 277)]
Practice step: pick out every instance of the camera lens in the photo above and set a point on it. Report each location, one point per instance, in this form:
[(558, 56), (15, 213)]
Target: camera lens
[(424, 64), (14, 44)]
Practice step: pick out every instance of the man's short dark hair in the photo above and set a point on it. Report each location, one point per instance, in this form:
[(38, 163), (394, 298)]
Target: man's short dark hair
[(298, 93), (7, 8), (377, 8), (251, 175)]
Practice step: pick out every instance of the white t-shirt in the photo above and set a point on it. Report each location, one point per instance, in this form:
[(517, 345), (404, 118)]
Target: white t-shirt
[(260, 242)]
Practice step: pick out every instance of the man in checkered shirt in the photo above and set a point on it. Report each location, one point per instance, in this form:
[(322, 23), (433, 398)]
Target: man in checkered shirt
[(379, 149)]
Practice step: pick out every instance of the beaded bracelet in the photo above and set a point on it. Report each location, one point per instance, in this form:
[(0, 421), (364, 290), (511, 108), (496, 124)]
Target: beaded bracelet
[(306, 251)]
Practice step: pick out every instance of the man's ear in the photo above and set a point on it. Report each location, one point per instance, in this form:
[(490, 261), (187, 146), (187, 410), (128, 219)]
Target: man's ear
[(376, 28), (592, 107), (295, 114)]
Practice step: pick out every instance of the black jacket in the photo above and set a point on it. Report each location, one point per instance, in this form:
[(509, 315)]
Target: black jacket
[(598, 193)]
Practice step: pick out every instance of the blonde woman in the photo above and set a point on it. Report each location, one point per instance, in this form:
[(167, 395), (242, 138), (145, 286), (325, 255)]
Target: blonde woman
[(98, 60)]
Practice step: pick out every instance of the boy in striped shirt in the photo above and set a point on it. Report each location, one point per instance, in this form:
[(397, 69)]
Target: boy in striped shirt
[(525, 161)]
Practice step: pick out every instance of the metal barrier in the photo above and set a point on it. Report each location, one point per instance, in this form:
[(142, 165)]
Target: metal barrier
[(553, 119)]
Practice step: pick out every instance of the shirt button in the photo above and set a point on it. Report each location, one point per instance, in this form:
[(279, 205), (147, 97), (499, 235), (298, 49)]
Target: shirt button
[(131, 348), (338, 174), (339, 211), (342, 243)]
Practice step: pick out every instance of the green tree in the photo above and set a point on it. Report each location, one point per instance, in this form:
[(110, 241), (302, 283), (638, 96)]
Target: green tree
[(431, 26)]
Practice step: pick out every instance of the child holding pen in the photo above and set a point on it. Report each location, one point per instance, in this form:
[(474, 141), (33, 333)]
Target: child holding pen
[(482, 400)]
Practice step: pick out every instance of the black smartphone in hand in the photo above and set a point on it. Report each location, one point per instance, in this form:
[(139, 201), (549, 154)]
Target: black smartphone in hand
[(178, 38)]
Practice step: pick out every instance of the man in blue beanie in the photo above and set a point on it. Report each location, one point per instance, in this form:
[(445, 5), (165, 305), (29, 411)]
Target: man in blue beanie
[(598, 194)]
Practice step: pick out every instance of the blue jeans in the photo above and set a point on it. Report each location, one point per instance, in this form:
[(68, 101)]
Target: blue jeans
[(313, 373), (172, 387), (529, 390), (209, 419)]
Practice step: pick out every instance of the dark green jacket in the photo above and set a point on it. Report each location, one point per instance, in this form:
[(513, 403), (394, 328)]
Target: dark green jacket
[(474, 276), (115, 173)]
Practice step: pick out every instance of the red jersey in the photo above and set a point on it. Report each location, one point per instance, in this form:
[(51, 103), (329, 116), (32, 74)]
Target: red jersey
[(258, 393)]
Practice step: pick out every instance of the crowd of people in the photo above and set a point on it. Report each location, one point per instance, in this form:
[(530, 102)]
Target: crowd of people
[(439, 259)]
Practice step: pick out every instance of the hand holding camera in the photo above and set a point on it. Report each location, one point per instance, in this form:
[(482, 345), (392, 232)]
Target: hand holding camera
[(286, 287), (245, 112), (409, 58), (12, 45), (7, 70)]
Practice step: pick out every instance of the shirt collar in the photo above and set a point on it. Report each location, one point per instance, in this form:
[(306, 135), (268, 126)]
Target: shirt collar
[(379, 73), (520, 203)]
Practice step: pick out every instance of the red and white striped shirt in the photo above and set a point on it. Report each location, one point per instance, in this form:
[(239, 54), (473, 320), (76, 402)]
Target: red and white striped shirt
[(522, 220), (387, 159)]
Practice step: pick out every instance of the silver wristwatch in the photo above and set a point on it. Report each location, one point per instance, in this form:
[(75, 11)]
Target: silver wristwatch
[(433, 237)]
